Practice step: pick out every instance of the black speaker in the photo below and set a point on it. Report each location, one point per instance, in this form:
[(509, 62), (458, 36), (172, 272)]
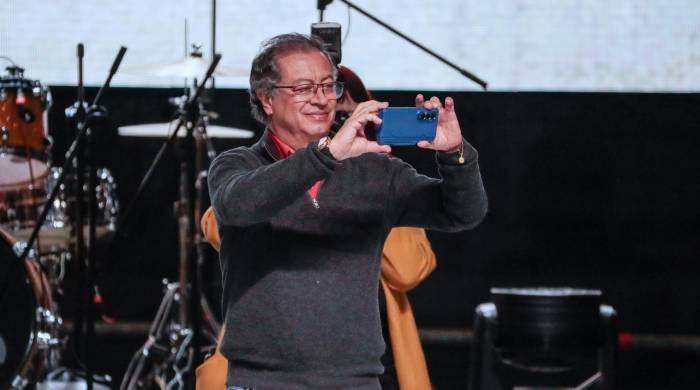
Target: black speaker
[(544, 338)]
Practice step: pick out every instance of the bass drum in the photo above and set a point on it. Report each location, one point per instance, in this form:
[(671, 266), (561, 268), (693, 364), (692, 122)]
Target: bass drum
[(27, 322)]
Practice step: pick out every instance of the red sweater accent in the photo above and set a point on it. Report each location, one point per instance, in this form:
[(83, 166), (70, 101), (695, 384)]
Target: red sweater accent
[(286, 151)]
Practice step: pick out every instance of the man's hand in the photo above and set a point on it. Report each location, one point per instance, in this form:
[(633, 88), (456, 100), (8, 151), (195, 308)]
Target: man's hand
[(448, 137), (350, 140)]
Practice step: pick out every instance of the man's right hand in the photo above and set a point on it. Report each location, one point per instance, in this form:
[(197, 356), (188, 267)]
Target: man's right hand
[(350, 140)]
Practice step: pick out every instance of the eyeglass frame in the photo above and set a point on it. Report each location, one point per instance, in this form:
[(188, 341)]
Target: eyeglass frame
[(315, 86)]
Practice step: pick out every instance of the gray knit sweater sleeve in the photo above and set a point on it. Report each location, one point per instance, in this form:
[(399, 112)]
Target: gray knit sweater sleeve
[(245, 191), (457, 201)]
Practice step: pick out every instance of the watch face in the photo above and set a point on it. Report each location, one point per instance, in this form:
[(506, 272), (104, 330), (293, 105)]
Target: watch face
[(323, 142)]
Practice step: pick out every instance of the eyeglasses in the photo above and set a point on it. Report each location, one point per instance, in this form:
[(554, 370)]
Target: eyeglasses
[(331, 90)]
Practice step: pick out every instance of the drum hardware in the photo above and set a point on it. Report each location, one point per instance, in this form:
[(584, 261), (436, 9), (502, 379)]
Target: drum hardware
[(47, 318), (166, 357), (5, 138), (173, 348)]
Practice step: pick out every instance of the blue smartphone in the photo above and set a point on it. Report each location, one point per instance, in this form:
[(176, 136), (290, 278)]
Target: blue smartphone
[(406, 125)]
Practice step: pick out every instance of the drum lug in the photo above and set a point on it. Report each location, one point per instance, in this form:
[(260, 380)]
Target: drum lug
[(44, 340), (4, 135), (4, 140), (47, 317), (19, 248), (19, 382)]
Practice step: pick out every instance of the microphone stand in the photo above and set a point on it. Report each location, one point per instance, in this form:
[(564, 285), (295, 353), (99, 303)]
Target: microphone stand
[(84, 122), (173, 345), (79, 115), (323, 3), (82, 285)]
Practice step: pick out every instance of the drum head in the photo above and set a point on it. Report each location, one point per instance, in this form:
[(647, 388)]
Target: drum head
[(16, 174), (17, 303)]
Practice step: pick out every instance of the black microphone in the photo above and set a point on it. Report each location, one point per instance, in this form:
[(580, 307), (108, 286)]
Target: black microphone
[(112, 71), (321, 4), (118, 60)]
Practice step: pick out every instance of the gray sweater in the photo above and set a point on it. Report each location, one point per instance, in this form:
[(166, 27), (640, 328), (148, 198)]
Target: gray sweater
[(300, 281)]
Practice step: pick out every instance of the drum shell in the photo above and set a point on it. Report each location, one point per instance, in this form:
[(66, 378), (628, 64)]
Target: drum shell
[(21, 197), (23, 133), (19, 211), (62, 207)]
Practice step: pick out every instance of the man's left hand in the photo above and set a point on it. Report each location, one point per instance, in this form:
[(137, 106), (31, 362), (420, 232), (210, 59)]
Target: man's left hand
[(448, 137)]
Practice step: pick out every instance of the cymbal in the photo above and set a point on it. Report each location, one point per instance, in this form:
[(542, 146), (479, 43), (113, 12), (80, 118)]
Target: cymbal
[(161, 130), (190, 67)]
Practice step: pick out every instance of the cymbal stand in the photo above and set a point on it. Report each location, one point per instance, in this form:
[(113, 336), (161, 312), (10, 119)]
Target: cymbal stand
[(203, 147), (173, 346)]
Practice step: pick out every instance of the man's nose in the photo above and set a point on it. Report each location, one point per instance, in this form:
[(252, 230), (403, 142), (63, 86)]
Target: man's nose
[(319, 97)]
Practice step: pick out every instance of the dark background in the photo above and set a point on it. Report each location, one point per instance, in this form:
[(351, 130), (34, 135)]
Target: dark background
[(585, 189)]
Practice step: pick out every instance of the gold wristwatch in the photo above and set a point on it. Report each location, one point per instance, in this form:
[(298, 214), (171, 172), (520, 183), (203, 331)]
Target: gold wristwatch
[(323, 147)]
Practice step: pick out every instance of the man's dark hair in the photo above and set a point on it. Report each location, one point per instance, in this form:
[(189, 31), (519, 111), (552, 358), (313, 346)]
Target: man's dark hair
[(265, 71)]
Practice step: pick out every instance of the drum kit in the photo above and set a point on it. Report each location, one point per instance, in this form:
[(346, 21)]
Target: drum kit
[(30, 342), (32, 333)]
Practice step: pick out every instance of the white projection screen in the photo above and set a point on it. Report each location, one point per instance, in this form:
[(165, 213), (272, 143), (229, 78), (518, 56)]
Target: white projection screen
[(515, 45)]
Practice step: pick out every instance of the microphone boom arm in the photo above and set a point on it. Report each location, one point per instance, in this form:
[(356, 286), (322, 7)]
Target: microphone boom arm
[(322, 4)]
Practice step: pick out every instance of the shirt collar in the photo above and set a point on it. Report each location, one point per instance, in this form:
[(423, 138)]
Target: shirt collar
[(283, 149)]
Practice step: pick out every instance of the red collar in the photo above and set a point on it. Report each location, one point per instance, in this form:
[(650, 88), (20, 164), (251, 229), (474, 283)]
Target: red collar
[(286, 151)]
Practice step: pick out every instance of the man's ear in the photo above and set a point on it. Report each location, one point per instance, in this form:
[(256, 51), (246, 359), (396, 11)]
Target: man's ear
[(266, 101)]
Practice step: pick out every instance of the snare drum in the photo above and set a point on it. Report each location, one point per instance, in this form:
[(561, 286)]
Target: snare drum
[(28, 320), (22, 192)]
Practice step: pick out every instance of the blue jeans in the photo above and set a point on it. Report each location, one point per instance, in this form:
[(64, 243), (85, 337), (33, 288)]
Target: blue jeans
[(238, 388)]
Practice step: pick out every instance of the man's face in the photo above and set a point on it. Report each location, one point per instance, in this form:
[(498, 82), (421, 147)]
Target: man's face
[(299, 120)]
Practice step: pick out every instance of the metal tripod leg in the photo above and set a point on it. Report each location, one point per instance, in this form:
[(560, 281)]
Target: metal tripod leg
[(164, 359)]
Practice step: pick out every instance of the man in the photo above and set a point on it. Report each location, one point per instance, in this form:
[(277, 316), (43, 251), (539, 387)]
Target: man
[(302, 219)]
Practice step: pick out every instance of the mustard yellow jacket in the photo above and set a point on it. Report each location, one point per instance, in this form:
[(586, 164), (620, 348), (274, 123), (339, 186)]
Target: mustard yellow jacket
[(407, 260)]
